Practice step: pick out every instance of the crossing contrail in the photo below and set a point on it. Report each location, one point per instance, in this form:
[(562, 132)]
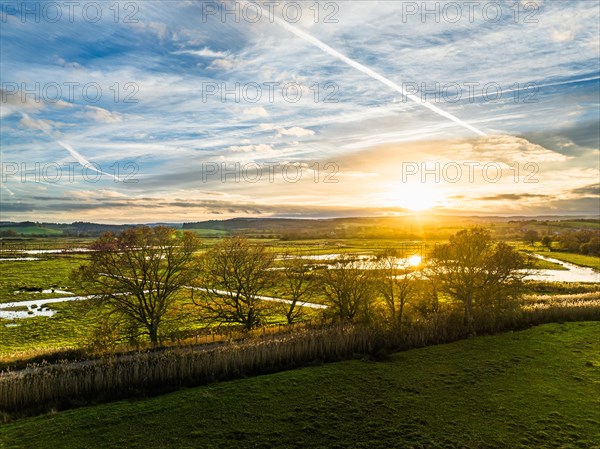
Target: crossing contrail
[(366, 70)]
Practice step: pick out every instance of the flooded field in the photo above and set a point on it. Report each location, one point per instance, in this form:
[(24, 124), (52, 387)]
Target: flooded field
[(20, 309), (573, 273)]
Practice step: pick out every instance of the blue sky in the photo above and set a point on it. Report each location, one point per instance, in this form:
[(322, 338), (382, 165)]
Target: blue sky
[(351, 145)]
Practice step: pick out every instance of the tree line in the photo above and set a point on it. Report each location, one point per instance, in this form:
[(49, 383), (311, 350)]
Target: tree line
[(145, 279), (584, 241)]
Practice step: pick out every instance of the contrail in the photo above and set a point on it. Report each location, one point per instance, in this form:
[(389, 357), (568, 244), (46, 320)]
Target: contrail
[(79, 158), (10, 192), (76, 155), (83, 161), (370, 72)]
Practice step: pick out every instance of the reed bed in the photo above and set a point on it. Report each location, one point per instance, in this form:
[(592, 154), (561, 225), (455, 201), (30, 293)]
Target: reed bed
[(63, 385), (119, 377)]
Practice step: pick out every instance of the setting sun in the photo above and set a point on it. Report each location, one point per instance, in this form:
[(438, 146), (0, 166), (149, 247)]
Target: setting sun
[(416, 197)]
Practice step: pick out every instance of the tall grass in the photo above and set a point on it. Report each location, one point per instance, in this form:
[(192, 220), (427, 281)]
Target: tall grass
[(117, 377), (66, 384)]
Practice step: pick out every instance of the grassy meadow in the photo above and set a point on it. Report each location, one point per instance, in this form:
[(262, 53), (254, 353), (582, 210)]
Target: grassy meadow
[(533, 388), (74, 322), (517, 389), (23, 280), (68, 328)]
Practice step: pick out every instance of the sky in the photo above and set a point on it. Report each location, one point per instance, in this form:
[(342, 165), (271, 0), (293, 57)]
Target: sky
[(178, 111)]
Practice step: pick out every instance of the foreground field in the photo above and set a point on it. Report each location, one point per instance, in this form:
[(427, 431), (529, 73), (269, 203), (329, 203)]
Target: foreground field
[(534, 388)]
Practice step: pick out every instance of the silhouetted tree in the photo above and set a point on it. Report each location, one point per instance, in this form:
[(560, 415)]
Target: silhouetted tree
[(138, 273), (396, 283), (348, 287), (298, 285), (476, 270), (233, 275)]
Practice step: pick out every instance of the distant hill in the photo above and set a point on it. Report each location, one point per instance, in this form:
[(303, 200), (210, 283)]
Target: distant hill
[(406, 227), (40, 229), (400, 227), (75, 229)]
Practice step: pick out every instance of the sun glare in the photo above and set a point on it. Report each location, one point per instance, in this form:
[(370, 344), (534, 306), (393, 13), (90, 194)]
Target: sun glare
[(415, 260), (418, 197)]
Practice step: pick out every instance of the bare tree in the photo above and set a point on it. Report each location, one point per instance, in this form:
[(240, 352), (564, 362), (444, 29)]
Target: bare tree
[(348, 287), (396, 283), (476, 270), (298, 285), (234, 274), (137, 274)]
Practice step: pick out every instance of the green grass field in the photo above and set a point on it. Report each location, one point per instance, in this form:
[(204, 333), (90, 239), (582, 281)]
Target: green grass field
[(52, 271), (535, 388), (68, 328), (209, 233), (32, 230), (71, 326), (540, 264)]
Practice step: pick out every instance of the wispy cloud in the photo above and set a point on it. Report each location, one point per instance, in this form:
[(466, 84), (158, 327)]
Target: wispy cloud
[(354, 76), (203, 53)]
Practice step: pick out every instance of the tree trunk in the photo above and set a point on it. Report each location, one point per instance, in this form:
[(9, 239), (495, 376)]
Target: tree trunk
[(468, 320), (153, 332), (249, 324), (400, 312)]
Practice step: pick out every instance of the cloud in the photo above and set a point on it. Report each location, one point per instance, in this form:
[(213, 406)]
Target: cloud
[(172, 131), (63, 104), (497, 149), (72, 65), (573, 140), (204, 53), (260, 148), (256, 111), (295, 131), (163, 209), (589, 190), (267, 126), (156, 28), (46, 126), (510, 197), (14, 102), (108, 193), (563, 36), (102, 115), (225, 64), (504, 148)]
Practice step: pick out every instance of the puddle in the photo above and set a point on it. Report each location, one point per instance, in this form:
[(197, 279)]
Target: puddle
[(48, 251), (45, 291), (36, 307)]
